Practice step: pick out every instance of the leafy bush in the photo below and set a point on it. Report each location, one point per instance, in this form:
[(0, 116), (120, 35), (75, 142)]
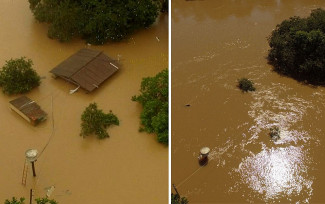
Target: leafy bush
[(298, 47), (246, 85), (96, 121), (154, 100), (38, 201), (15, 201), (45, 201), (176, 199), (18, 76), (96, 21)]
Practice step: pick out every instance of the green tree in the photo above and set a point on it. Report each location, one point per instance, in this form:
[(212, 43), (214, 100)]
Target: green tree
[(154, 100), (97, 21), (96, 121), (18, 76), (14, 201), (176, 199), (298, 47)]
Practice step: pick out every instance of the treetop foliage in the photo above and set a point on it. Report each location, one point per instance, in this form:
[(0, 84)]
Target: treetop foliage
[(18, 76), (97, 21), (96, 121), (38, 201), (298, 47), (154, 100), (176, 199), (15, 201), (45, 201)]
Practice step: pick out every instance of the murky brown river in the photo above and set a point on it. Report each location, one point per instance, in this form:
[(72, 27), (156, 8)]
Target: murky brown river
[(213, 44), (128, 167)]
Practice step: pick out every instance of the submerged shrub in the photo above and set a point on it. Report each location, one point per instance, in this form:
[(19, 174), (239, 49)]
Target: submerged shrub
[(38, 201), (18, 76), (176, 199), (275, 133), (15, 201), (95, 121), (45, 201), (246, 85)]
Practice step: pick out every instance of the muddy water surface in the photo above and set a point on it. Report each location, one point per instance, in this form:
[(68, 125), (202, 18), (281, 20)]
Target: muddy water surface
[(213, 44), (128, 167)]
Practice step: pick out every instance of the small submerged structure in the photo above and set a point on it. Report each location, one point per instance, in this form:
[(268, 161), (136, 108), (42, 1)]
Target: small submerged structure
[(28, 109), (203, 158), (86, 68)]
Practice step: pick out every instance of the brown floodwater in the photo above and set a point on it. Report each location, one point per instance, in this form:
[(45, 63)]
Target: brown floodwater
[(214, 43), (128, 167)]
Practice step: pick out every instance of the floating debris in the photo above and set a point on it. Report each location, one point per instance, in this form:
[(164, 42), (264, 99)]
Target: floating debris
[(275, 133), (74, 90), (50, 191)]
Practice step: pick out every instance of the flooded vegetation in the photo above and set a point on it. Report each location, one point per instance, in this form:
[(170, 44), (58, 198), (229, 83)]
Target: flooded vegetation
[(214, 44), (297, 47), (128, 167)]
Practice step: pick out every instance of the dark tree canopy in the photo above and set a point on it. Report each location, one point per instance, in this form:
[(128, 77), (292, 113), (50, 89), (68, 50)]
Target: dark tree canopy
[(95, 121), (164, 7), (298, 47), (154, 100), (176, 199), (97, 21), (18, 76)]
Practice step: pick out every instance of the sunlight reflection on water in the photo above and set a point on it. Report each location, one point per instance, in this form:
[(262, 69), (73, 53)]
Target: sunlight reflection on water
[(280, 170), (277, 171)]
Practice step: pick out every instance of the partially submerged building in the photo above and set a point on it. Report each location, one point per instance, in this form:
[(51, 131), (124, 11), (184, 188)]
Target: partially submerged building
[(87, 69), (28, 109)]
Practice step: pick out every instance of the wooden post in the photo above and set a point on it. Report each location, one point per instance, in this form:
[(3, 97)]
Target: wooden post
[(31, 196), (33, 167), (176, 190)]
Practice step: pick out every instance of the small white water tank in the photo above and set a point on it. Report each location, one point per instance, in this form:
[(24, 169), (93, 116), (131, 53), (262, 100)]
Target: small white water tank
[(205, 151), (31, 155)]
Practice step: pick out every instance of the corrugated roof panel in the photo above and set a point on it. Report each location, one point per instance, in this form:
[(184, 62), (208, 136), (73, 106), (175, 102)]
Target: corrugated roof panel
[(87, 68), (85, 81), (29, 108)]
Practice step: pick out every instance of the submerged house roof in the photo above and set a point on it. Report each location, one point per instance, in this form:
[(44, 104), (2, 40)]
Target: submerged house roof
[(86, 68), (28, 109)]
